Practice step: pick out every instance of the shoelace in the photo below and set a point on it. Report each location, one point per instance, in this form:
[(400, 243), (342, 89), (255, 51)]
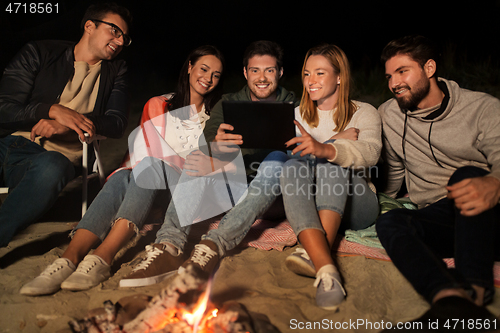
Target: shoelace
[(152, 253), (86, 265), (328, 282), (202, 254), (54, 267), (303, 253)]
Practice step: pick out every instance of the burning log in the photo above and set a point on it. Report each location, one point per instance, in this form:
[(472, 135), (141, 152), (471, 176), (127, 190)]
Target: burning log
[(111, 317), (167, 312), (98, 320), (163, 307)]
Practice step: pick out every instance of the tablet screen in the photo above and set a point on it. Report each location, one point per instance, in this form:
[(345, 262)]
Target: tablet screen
[(263, 125)]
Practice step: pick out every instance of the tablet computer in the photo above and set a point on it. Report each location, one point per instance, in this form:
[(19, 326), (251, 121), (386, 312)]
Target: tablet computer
[(263, 125)]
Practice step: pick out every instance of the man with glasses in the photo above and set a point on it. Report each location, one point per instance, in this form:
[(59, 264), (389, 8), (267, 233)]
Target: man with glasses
[(52, 94)]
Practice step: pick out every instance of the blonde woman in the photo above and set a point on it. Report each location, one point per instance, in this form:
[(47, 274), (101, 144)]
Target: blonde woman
[(338, 141)]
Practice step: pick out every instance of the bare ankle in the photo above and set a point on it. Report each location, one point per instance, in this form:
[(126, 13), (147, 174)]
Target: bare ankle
[(75, 260), (104, 256), (479, 294), (171, 249), (460, 292)]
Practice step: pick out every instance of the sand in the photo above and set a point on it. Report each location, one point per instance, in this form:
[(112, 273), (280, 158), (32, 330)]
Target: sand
[(376, 292)]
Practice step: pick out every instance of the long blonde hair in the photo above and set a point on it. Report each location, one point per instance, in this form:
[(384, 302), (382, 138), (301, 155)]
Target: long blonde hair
[(345, 107)]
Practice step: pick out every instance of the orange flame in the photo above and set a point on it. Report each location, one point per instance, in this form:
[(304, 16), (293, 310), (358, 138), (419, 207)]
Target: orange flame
[(196, 318), (193, 318)]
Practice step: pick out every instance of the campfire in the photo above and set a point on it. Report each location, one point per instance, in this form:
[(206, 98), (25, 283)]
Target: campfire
[(182, 307)]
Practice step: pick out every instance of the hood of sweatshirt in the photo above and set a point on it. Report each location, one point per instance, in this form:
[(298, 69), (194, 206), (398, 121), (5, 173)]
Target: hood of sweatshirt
[(432, 114), (438, 112)]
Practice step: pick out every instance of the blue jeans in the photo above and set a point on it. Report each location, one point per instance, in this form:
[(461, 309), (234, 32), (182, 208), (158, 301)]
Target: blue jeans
[(417, 240), (122, 198), (35, 177), (310, 186), (262, 193)]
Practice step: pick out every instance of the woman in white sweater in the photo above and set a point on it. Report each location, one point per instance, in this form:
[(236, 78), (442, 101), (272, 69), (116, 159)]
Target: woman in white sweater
[(338, 141)]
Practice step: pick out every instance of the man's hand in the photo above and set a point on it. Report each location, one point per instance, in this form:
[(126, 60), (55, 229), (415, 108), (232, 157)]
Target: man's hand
[(349, 134), (475, 195), (72, 119), (47, 128), (308, 145), (225, 142), (228, 137)]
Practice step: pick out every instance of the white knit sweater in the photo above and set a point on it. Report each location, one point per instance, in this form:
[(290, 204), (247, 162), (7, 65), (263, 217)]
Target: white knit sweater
[(360, 154)]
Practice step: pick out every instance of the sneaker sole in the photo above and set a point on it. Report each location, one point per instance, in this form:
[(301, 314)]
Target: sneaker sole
[(74, 286), (77, 287), (145, 281), (299, 266), (37, 292), (330, 308)]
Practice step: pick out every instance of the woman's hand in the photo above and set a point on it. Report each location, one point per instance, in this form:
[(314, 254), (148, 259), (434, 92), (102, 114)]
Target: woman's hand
[(198, 164), (308, 145), (349, 134)]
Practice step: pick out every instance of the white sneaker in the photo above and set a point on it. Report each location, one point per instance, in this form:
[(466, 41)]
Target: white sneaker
[(49, 281), (91, 271), (330, 292), (300, 263)]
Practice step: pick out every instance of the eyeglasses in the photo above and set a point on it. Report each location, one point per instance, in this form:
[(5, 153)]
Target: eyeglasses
[(117, 32)]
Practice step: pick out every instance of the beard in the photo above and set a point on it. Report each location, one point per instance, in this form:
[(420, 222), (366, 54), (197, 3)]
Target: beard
[(415, 96)]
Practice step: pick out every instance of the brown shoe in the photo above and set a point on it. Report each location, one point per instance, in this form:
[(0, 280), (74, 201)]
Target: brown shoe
[(204, 258), (158, 265)]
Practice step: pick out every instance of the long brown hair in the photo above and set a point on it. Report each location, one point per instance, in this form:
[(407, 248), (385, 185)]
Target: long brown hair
[(345, 106), (182, 96)]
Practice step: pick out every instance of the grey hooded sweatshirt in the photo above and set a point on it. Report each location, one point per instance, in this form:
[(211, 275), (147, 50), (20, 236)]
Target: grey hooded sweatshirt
[(426, 146)]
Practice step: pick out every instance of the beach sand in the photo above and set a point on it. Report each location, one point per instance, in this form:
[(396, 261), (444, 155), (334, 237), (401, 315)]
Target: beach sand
[(376, 292)]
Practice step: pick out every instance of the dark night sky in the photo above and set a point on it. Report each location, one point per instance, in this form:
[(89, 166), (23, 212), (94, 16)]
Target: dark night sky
[(164, 32)]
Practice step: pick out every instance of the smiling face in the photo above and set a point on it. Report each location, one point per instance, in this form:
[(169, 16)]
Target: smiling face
[(204, 75), (262, 76), (409, 82), (102, 44), (321, 81)]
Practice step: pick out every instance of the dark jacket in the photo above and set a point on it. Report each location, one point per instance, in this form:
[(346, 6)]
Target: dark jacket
[(38, 74)]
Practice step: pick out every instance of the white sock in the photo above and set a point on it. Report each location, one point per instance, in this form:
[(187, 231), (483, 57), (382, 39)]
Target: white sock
[(171, 249), (325, 273), (327, 269)]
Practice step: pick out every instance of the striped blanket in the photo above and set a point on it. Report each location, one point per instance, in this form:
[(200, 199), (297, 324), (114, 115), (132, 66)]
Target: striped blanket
[(268, 235)]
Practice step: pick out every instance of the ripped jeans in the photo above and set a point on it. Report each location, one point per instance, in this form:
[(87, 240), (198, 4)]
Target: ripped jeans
[(122, 198)]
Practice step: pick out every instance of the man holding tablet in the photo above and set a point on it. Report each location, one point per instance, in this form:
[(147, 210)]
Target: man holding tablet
[(263, 67)]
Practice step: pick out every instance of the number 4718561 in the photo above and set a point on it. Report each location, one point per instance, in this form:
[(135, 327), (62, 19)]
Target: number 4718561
[(32, 8)]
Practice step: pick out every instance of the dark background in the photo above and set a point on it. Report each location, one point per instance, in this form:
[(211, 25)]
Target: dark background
[(164, 32)]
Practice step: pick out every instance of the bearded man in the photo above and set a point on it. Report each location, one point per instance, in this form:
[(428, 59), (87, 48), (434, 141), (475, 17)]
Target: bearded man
[(444, 141)]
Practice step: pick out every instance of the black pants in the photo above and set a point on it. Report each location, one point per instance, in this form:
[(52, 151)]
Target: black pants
[(417, 240)]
